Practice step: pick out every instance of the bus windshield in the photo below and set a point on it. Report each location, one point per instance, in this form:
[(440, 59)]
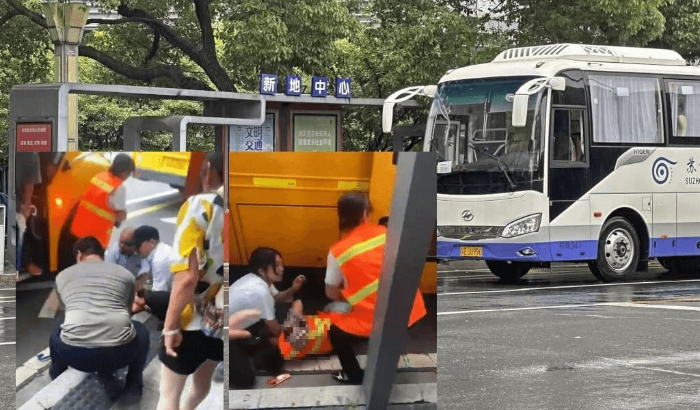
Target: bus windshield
[(470, 127)]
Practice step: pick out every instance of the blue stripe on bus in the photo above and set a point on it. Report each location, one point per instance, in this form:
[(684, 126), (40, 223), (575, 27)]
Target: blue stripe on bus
[(562, 251), (688, 246)]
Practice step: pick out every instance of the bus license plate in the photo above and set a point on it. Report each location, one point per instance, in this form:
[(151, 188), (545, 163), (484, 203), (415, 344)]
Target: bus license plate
[(472, 251)]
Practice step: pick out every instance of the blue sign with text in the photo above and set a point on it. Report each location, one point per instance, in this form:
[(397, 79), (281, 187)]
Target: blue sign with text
[(343, 87), (268, 84), (319, 86), (293, 85)]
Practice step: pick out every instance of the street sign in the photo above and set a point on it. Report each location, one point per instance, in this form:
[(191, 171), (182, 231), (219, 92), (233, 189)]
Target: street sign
[(34, 137)]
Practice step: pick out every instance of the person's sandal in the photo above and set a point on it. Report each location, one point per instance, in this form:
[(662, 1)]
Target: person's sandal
[(342, 377)]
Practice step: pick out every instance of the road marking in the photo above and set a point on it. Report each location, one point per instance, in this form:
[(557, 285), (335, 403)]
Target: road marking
[(569, 287), (518, 309), (656, 369), (51, 306), (645, 305), (7, 343), (150, 197), (7, 318), (172, 220), (152, 208)]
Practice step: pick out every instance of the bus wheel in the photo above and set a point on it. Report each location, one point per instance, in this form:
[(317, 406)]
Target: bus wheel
[(508, 271), (593, 266), (618, 250)]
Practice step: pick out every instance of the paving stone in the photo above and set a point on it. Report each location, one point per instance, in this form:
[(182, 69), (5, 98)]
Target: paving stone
[(416, 361), (24, 375), (244, 399)]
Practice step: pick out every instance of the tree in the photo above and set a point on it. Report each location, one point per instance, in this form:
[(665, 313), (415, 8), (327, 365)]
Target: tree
[(620, 22), (205, 44), (25, 52), (408, 42)]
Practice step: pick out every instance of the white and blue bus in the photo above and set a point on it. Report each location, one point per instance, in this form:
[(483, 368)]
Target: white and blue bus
[(567, 153)]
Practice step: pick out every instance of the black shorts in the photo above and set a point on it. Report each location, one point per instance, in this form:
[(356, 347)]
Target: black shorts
[(195, 349)]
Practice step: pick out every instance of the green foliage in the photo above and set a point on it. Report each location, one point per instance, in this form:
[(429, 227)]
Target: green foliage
[(621, 22), (383, 45), (25, 57)]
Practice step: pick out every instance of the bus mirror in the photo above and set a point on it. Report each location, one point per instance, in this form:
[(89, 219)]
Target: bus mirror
[(387, 117), (430, 91), (520, 110), (558, 83)]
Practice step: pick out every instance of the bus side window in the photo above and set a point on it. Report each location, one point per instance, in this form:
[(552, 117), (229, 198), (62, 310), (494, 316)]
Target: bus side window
[(568, 143)]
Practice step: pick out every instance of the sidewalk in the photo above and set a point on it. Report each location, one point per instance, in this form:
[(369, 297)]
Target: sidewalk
[(415, 383)]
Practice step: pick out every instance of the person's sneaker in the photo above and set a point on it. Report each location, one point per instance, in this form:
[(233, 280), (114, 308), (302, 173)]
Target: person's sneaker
[(131, 395), (219, 373)]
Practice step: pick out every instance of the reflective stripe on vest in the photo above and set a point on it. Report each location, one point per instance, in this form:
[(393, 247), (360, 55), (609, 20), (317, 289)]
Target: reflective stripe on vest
[(102, 185), (97, 210), (318, 334), (363, 293), (360, 248)]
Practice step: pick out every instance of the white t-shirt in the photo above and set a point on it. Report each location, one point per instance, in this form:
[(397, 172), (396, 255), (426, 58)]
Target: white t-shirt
[(251, 292), (274, 290), (160, 260), (334, 276), (117, 198)]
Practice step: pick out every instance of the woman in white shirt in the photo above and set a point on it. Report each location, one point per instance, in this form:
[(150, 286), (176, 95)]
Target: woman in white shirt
[(252, 291)]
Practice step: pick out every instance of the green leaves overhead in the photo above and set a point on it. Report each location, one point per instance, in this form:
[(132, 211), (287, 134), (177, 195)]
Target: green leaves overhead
[(383, 45)]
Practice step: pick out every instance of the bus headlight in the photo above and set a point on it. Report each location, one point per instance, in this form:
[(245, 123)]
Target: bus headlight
[(522, 226)]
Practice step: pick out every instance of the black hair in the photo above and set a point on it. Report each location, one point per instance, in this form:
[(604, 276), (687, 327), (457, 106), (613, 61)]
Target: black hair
[(384, 220), (145, 233), (262, 258), (88, 245), (216, 162), (269, 358), (122, 163), (351, 209)]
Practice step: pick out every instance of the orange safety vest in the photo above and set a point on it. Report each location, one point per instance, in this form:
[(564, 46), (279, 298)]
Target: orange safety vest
[(317, 337), (94, 216), (360, 255)]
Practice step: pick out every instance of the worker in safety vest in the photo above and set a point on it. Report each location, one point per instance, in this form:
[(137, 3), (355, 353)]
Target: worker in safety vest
[(305, 334), (103, 205), (352, 275)]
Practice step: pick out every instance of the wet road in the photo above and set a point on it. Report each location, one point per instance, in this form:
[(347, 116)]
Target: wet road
[(564, 340)]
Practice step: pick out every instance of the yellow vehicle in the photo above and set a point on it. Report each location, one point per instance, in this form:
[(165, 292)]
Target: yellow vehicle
[(166, 167), (288, 201), (65, 176)]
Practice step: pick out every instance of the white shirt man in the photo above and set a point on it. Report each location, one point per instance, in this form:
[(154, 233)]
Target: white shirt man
[(157, 254)]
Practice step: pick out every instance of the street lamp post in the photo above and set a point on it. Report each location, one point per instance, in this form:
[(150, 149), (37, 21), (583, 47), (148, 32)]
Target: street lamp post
[(66, 21)]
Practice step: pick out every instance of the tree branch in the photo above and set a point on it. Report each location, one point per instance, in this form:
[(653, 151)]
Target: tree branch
[(154, 48), (35, 17), (201, 8), (144, 74), (208, 61), (8, 16), (115, 21)]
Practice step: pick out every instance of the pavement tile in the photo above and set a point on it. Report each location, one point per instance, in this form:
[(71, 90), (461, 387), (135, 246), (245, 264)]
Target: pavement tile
[(244, 399), (416, 361), (24, 375), (434, 357), (405, 393)]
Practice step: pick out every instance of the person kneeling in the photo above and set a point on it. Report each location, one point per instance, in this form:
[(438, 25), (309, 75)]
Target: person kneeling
[(98, 335)]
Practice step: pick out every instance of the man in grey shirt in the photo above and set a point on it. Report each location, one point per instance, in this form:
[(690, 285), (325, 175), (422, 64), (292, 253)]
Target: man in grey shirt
[(97, 334)]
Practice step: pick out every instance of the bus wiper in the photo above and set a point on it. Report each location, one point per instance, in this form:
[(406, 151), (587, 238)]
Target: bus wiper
[(501, 165)]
